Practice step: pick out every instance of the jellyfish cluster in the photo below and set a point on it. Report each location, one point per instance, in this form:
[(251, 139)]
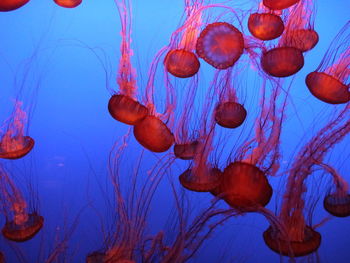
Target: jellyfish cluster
[(207, 132)]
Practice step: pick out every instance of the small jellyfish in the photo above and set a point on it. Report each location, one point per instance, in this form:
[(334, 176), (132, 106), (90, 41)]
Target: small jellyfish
[(220, 44), (186, 151), (180, 60), (21, 225), (9, 5), (68, 3), (265, 26), (328, 82), (14, 144)]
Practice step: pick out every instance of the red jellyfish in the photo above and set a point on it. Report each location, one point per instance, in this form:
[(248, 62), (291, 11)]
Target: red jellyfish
[(220, 44), (279, 4), (265, 25), (244, 184), (123, 106), (181, 61), (229, 113), (329, 82), (9, 5), (300, 32), (21, 225), (14, 144), (68, 3), (337, 203), (297, 238)]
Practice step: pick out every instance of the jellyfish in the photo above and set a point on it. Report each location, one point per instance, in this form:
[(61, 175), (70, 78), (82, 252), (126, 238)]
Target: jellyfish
[(229, 113), (297, 238), (279, 4), (10, 5), (14, 144), (123, 106), (22, 222), (220, 44), (244, 185), (329, 82), (337, 203), (265, 24), (300, 32), (68, 3), (180, 60)]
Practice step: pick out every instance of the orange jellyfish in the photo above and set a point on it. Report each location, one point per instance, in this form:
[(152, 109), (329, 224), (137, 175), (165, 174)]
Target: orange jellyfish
[(14, 144), (21, 225), (123, 106), (279, 4), (68, 3), (329, 82), (265, 24), (300, 32), (181, 61), (9, 5), (220, 44), (337, 203), (297, 238)]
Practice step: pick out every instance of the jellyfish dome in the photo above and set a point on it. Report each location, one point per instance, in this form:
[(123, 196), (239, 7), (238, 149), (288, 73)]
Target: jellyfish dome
[(13, 150), (265, 26), (181, 63), (68, 3), (9, 5)]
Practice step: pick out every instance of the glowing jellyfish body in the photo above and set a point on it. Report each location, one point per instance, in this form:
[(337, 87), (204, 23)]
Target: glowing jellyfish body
[(153, 134), (244, 186), (327, 88), (279, 4), (9, 5), (337, 205), (292, 248), (282, 61), (303, 39), (181, 63), (230, 114), (220, 44), (265, 26), (68, 3), (24, 231), (126, 110)]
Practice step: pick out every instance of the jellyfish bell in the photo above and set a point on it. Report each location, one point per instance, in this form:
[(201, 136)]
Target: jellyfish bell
[(279, 4), (181, 63), (303, 39), (2, 257), (293, 248), (230, 114), (220, 44), (185, 151), (153, 134), (10, 5), (10, 149), (125, 109), (244, 186), (282, 61), (327, 88), (23, 231), (265, 26), (201, 180), (337, 204), (68, 3)]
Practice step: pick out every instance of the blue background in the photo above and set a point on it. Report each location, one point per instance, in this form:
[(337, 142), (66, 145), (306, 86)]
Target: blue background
[(74, 134)]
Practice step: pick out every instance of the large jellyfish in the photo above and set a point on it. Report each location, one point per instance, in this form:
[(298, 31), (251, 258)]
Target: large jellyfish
[(296, 238), (9, 5)]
